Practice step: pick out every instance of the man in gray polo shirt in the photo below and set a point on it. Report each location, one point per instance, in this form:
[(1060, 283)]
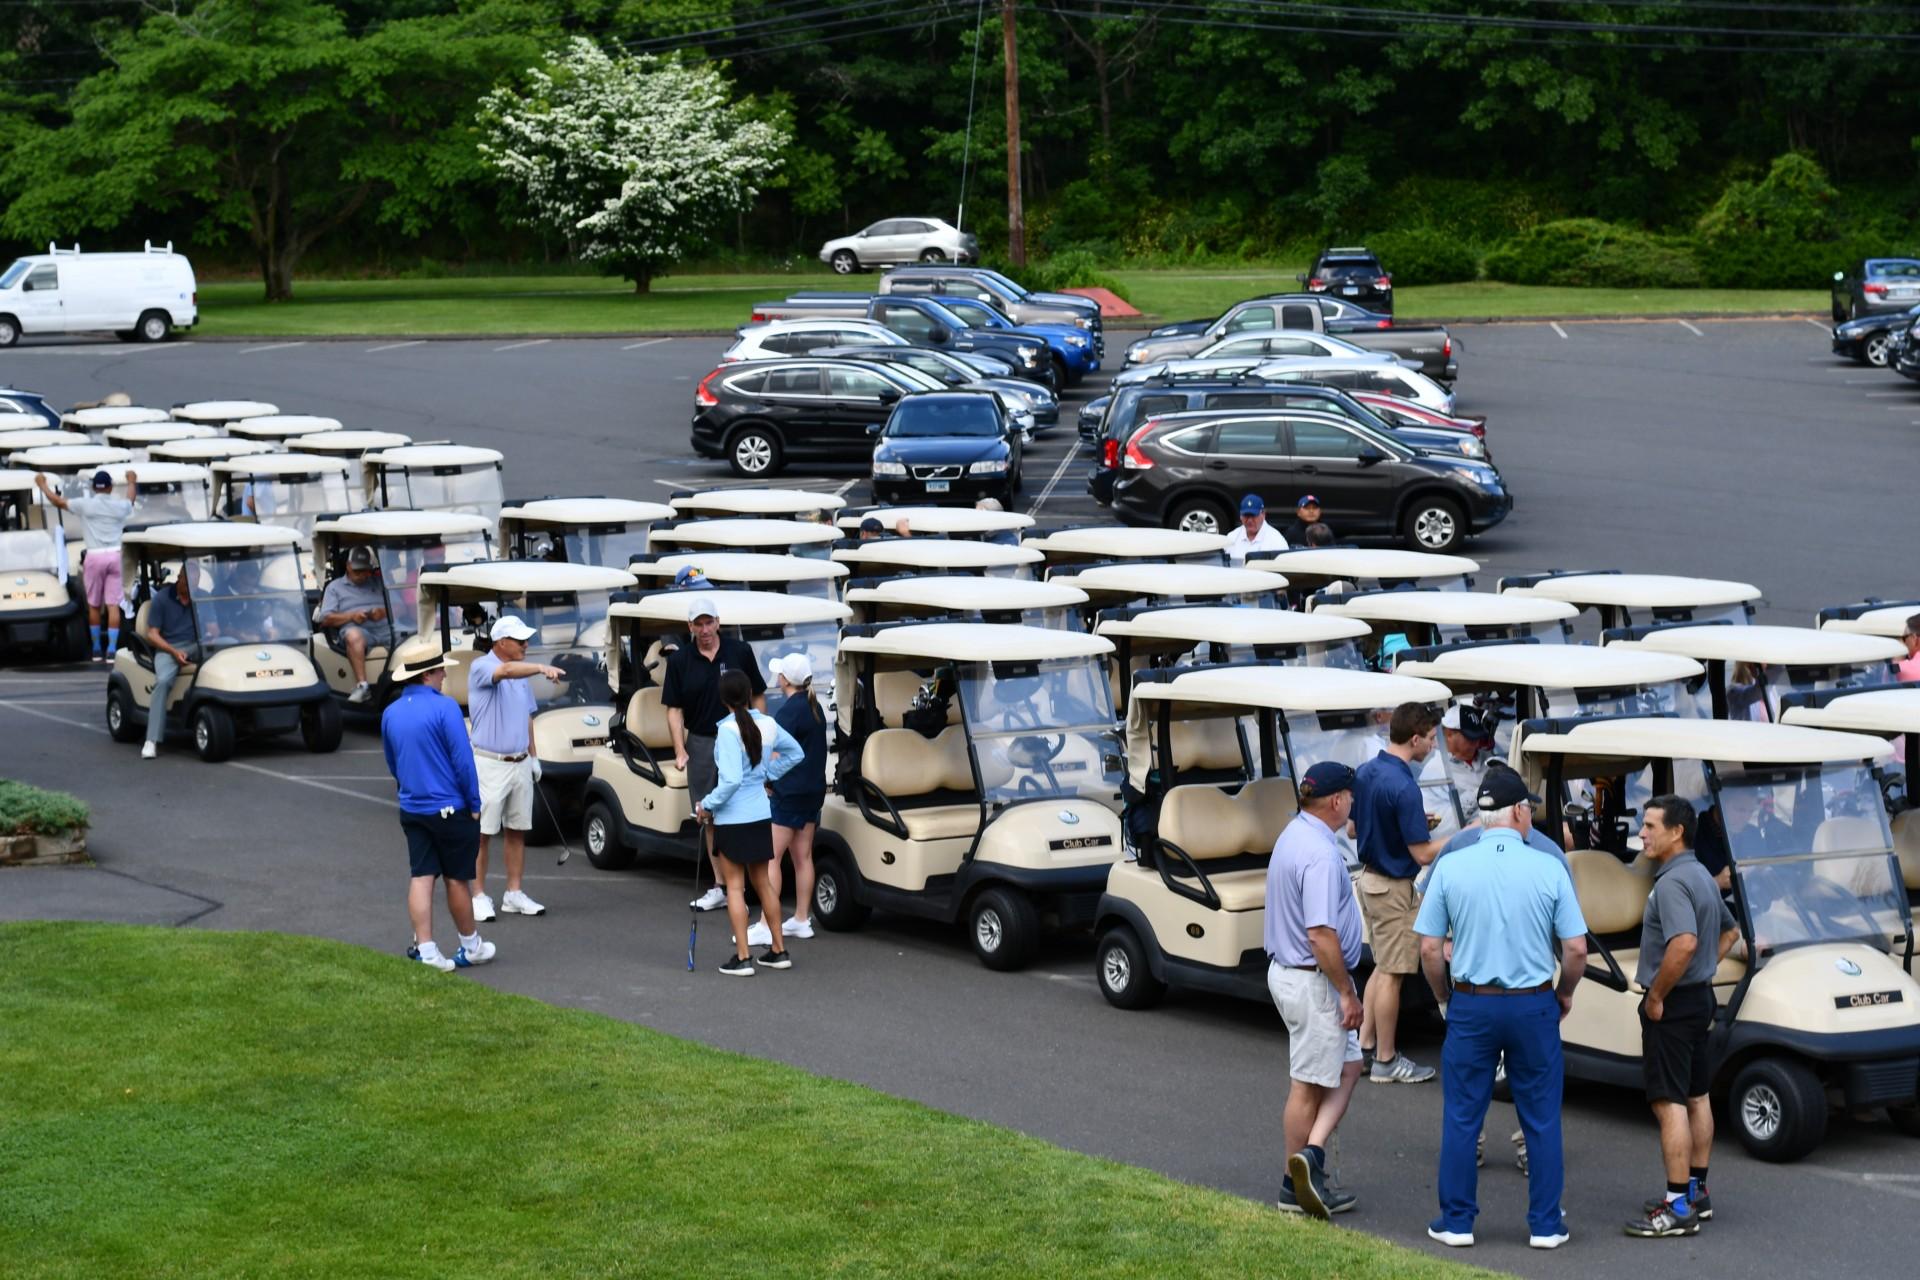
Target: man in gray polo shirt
[(355, 608), (1685, 933)]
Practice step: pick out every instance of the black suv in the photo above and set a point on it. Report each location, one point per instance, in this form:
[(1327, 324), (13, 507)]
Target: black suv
[(759, 414), (1189, 471), (1352, 274)]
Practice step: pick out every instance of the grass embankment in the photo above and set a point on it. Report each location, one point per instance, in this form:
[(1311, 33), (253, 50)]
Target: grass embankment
[(208, 1104), (718, 303)]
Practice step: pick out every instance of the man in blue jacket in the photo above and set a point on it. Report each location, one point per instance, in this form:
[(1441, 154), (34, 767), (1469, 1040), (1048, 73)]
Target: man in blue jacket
[(431, 759)]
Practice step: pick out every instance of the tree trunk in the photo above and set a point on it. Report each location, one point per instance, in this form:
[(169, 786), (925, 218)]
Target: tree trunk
[(642, 280)]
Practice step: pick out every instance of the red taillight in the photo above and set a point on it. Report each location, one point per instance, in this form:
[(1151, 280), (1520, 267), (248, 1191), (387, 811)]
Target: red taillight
[(1110, 454), (1383, 324), (1134, 459), (704, 397), (1446, 348), (1316, 285), (1383, 282), (1876, 290), (758, 317)]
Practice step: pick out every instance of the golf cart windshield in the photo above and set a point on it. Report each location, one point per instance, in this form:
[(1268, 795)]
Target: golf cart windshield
[(290, 501), (611, 545), (1042, 729), (1813, 854), (29, 549), (820, 641), (1670, 698), (570, 632), (1354, 737), (1754, 693), (170, 502), (1540, 632), (402, 563), (248, 596), (474, 491)]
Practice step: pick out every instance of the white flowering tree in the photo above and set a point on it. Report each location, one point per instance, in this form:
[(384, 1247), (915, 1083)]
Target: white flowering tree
[(637, 161)]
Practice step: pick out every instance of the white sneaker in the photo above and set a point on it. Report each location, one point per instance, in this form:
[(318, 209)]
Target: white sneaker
[(1553, 1241), (465, 959), (516, 903), (148, 751), (1452, 1239), (797, 928), (758, 935), (712, 900), (433, 959), (483, 908), (361, 692)]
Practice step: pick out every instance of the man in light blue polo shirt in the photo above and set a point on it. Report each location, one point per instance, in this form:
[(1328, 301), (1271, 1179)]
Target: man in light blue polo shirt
[(500, 707), (1503, 905)]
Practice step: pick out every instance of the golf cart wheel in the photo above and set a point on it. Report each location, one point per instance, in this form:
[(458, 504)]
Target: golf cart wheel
[(1876, 349), (1435, 524), (1004, 928), (120, 725), (320, 725), (1906, 1119), (844, 263), (1198, 515), (834, 905), (1778, 1108), (753, 452), (601, 834), (153, 326), (212, 733), (1120, 967)]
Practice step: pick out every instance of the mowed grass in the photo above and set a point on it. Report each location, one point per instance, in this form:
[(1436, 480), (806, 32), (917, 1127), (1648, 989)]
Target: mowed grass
[(719, 303), (194, 1104)]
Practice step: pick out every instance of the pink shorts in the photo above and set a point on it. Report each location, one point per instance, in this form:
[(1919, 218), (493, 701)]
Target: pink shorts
[(101, 573)]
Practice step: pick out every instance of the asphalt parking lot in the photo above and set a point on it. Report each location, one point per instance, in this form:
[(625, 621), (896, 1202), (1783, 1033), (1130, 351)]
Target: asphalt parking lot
[(1737, 449)]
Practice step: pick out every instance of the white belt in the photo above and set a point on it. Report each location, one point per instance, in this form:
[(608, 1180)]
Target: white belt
[(495, 755)]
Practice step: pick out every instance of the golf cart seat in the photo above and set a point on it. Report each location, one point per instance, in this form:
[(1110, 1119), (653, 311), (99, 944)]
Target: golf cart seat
[(1906, 844), (455, 686), (647, 720), (1838, 835), (895, 692), (1207, 750), (1208, 825), (1612, 894), (1731, 969), (905, 767)]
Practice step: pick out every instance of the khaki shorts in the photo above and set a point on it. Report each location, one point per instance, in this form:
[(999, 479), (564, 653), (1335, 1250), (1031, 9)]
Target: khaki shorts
[(1390, 906), (1317, 1045), (506, 794)]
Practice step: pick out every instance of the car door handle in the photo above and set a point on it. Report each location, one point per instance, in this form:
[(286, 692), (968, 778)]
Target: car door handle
[(1308, 470), (1216, 466)]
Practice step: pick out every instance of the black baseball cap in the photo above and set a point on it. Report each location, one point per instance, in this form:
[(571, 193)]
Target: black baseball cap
[(1327, 778), (872, 525), (1503, 787)]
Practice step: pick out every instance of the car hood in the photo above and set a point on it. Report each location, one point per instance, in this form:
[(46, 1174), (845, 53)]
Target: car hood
[(1021, 390), (1442, 439), (1871, 324), (1048, 333), (925, 449), (1447, 460), (1073, 300)]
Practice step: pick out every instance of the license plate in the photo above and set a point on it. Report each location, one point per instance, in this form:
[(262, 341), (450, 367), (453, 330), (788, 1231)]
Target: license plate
[(939, 486), (1352, 289)]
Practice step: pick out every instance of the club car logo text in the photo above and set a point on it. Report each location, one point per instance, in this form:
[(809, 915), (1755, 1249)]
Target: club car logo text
[(1867, 1000)]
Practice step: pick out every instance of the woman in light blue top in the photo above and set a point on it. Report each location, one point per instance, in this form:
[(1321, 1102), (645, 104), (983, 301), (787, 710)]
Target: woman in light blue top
[(750, 751)]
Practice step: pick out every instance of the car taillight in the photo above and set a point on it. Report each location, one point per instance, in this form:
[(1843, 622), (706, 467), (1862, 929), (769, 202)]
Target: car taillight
[(1134, 459), (1446, 348), (1383, 282), (1877, 290), (1383, 324), (758, 317), (1316, 285), (704, 397), (1110, 454)]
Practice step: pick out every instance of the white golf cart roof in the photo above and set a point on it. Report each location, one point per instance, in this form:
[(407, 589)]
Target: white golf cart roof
[(280, 464), (1292, 689), (1770, 645), (71, 457), (374, 525), (1366, 563), (1876, 711), (936, 553), (586, 511), (742, 566), (1126, 542), (1227, 624), (948, 520), (354, 443), (977, 642), (734, 608), (212, 535), (221, 412), (278, 426), (14, 442), (408, 456), (158, 431), (756, 502), (746, 533), (1450, 608), (146, 473), (1890, 621), (517, 577), (968, 594), (12, 481), (1640, 590), (112, 415), (1745, 741), (207, 449), (1154, 579), (1553, 666)]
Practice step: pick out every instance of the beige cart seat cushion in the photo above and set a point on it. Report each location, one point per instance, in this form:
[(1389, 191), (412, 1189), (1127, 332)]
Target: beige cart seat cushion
[(902, 764), (1613, 895), (1906, 843), (647, 721), (1205, 744), (1731, 970)]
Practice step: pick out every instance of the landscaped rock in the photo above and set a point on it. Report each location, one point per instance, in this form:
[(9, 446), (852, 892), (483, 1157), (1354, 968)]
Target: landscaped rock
[(65, 849)]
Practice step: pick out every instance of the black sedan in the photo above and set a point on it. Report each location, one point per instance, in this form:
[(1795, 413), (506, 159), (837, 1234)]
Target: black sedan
[(1190, 470), (947, 446), (1870, 339), (760, 414), (1875, 286)]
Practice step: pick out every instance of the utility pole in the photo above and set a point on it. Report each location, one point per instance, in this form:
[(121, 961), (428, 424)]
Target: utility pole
[(1016, 215)]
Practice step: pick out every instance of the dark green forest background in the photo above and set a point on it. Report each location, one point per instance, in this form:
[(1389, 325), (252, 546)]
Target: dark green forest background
[(1720, 142)]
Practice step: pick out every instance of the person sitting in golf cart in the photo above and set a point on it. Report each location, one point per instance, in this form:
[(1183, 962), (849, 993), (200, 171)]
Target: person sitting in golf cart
[(353, 610), (176, 645), (237, 609)]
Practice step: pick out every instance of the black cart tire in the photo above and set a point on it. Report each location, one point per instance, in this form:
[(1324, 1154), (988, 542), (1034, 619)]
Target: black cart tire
[(320, 725), (834, 904), (1120, 967), (1004, 928), (1434, 524), (600, 832), (1778, 1109), (120, 725), (212, 732)]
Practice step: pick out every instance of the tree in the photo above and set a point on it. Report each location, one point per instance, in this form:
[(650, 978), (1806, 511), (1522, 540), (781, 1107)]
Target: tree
[(636, 160), (271, 117)]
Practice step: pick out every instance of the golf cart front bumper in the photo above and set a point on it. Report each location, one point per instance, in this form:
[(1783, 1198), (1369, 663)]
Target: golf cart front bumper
[(1875, 1068)]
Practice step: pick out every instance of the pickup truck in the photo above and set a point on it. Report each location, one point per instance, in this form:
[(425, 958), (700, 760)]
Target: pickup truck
[(1430, 346), (1018, 304), (1054, 354)]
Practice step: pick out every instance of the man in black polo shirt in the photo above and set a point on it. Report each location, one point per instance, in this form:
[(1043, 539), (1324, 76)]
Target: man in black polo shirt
[(691, 694)]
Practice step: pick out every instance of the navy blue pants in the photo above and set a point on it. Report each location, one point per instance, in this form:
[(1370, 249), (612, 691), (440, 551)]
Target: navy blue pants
[(1479, 1029)]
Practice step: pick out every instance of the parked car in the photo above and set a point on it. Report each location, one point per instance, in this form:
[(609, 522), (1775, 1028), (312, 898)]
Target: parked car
[(1091, 413), (1355, 274), (1189, 470), (1875, 285), (761, 415), (31, 403), (953, 372), (1431, 345), (1337, 316), (777, 339), (1281, 344), (947, 446), (980, 285), (896, 240), (1045, 353), (1871, 338), (1397, 412), (134, 296), (1361, 375)]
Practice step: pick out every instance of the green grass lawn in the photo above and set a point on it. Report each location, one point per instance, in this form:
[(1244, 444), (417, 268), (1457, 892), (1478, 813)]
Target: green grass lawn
[(719, 303), (225, 1104)]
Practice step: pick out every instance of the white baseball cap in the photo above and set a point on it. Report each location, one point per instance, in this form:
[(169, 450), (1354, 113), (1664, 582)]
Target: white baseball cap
[(702, 607), (511, 628), (796, 667), (1451, 720)]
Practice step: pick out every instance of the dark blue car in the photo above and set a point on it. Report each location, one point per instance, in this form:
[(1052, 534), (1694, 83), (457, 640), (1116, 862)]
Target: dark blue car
[(947, 447)]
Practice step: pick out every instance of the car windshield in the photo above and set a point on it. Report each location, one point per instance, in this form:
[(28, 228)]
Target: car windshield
[(292, 501), (19, 268), (570, 632), (820, 641), (1012, 286), (167, 503), (472, 491), (945, 416), (1812, 851), (28, 549), (977, 315), (249, 596), (402, 564), (1042, 729)]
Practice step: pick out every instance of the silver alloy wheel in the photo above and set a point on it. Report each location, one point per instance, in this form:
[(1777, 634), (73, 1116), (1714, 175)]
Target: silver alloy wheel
[(753, 453), (826, 893), (1762, 1112), (1877, 349), (1434, 527), (154, 327), (116, 715), (1116, 971), (1198, 520), (844, 263), (596, 837), (202, 733), (988, 931)]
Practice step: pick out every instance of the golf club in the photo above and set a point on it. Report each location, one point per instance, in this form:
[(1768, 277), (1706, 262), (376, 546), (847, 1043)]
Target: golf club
[(693, 930), (554, 818)]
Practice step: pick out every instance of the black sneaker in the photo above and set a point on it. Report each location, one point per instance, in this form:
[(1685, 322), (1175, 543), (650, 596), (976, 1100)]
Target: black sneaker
[(1309, 1184), (771, 959), (735, 967), (1663, 1219), (1699, 1201), (1288, 1202)]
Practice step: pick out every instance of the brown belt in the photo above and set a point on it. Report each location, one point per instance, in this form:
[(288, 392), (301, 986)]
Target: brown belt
[(1478, 989), (494, 755)]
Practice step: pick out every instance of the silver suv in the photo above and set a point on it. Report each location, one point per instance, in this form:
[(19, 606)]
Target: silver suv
[(896, 240)]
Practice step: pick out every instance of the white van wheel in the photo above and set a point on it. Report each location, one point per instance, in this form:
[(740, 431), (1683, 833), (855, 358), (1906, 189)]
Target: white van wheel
[(154, 326), (9, 331)]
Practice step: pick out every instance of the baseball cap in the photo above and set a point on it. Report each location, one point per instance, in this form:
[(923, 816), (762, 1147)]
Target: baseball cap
[(101, 480), (361, 557), (702, 607), (872, 525), (511, 628), (1327, 778), (1502, 787), (1306, 500), (1252, 505), (688, 576), (796, 667), (1451, 720)]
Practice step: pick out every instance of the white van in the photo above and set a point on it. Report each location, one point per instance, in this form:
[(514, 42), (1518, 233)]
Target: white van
[(138, 297)]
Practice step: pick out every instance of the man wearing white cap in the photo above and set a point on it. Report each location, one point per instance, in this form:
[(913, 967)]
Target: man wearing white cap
[(500, 706), (690, 692)]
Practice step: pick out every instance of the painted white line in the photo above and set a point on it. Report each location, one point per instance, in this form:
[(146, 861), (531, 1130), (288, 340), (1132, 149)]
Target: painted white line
[(357, 777), (48, 679), (1052, 482), (1887, 395), (359, 751), (1877, 1181), (1815, 323), (841, 492), (1556, 328), (1690, 329), (395, 346), (67, 702), (515, 346), (45, 715), (650, 342), (271, 346)]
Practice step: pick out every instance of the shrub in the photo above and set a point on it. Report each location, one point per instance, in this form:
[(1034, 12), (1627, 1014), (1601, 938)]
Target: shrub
[(1586, 252), (1773, 261), (26, 810), (1794, 201), (1476, 210), (1424, 255)]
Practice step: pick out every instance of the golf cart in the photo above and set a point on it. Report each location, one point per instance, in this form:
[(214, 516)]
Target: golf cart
[(637, 799), (169, 493), (1343, 570), (566, 605), (1751, 668), (978, 781), (278, 429), (405, 544), (1212, 755), (254, 678), (40, 601), (1100, 542), (962, 596), (1821, 1009), (436, 477), (605, 531), (15, 443), (756, 571), (100, 419), (1638, 599), (351, 445), (1159, 583), (1159, 635), (891, 556), (768, 537), (218, 413), (950, 522), (1891, 711), (291, 490), (1868, 618), (1399, 617), (204, 451), (782, 504), (139, 437)]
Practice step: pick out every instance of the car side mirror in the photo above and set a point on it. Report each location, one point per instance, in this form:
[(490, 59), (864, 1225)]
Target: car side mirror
[(889, 396), (873, 428), (859, 235), (1368, 457), (939, 333)]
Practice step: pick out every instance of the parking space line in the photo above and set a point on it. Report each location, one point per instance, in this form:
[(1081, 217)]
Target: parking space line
[(1885, 395), (841, 492), (1556, 328), (271, 346), (1876, 1181), (1690, 329), (650, 342), (1815, 323), (1052, 481), (515, 346), (395, 346)]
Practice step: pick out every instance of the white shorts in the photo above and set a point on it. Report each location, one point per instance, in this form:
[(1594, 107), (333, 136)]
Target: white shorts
[(1317, 1045), (506, 794)]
